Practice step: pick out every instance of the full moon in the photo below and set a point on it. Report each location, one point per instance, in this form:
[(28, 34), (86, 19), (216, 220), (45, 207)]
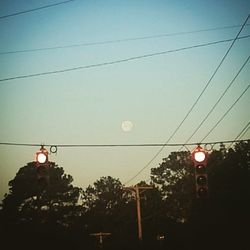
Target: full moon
[(127, 126)]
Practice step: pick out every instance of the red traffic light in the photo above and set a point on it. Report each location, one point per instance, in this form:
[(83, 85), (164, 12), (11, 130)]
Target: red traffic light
[(42, 168), (199, 155), (42, 156)]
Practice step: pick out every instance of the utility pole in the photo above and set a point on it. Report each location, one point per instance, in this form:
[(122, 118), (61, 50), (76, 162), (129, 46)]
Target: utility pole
[(137, 189), (100, 236)]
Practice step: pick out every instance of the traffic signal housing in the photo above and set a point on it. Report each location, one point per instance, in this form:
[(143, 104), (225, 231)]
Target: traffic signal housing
[(42, 167), (199, 157)]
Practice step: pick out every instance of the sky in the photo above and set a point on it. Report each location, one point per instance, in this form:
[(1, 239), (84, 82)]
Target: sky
[(114, 79)]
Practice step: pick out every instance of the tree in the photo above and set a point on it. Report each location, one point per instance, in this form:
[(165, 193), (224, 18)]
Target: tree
[(105, 199), (53, 217), (226, 212), (175, 180), (111, 208), (217, 222), (29, 213)]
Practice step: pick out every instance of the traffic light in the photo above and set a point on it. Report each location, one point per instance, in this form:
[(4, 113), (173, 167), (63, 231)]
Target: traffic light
[(199, 157), (42, 167)]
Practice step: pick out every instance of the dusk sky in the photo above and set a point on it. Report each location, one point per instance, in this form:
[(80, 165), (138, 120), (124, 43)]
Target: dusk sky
[(118, 74)]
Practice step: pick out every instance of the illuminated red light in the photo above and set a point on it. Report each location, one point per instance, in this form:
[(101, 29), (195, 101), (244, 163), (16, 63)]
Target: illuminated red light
[(199, 156), (42, 156)]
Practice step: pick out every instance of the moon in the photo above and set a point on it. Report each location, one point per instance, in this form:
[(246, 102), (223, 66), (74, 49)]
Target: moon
[(127, 126)]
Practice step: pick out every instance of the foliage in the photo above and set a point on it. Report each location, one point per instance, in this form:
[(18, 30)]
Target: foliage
[(175, 179), (221, 218), (29, 210), (109, 207), (54, 217)]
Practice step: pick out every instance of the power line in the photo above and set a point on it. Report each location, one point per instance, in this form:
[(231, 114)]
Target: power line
[(113, 145), (117, 40), (195, 103), (224, 115), (242, 132), (118, 61), (218, 101), (35, 9)]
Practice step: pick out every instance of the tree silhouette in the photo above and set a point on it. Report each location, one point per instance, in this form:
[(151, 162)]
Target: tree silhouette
[(51, 215), (225, 216), (219, 221), (109, 209), (175, 179), (31, 214)]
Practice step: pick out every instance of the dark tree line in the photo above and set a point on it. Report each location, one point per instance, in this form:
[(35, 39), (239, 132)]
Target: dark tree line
[(62, 216)]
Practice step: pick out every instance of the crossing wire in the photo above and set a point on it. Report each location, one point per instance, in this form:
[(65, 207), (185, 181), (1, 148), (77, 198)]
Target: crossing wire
[(244, 132), (224, 115), (217, 102), (121, 60), (195, 103), (241, 134), (113, 145), (117, 40), (35, 9)]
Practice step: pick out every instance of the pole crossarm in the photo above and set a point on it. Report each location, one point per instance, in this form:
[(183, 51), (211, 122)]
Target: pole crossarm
[(100, 235)]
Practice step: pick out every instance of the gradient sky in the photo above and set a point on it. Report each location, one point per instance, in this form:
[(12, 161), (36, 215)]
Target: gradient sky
[(87, 106)]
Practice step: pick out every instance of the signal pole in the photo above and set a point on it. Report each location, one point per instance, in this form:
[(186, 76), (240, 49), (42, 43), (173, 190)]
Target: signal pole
[(137, 189)]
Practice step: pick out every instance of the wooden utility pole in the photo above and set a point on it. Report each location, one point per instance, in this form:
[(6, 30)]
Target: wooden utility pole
[(100, 236), (137, 189)]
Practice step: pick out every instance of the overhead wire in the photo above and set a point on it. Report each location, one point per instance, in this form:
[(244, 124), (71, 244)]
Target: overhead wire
[(241, 134), (119, 61), (116, 41), (194, 104), (218, 101), (244, 132), (225, 114), (111, 145), (35, 9)]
